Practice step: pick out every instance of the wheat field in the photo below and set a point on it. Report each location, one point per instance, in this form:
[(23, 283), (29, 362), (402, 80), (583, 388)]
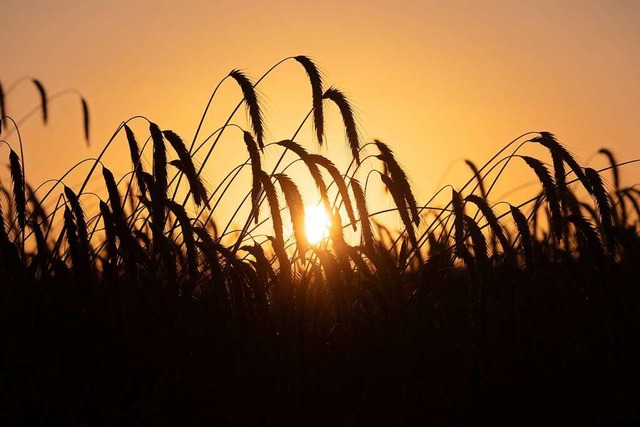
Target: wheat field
[(137, 304)]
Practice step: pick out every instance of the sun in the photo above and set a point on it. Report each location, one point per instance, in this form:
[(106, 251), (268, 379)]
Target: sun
[(316, 223)]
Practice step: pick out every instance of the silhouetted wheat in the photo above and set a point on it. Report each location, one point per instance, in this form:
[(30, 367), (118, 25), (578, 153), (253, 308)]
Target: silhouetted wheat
[(316, 93), (141, 312), (400, 178), (313, 169), (339, 181), (550, 192), (17, 176), (251, 101), (3, 111), (43, 100), (186, 166), (492, 220), (461, 249), (134, 152), (363, 213), (549, 141), (256, 171), (85, 119), (296, 209), (526, 239), (348, 119)]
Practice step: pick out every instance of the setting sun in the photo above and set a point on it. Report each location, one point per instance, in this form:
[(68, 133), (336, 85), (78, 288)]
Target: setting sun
[(316, 223)]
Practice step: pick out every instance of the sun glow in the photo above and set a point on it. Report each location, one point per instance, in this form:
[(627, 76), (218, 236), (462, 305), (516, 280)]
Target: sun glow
[(316, 223)]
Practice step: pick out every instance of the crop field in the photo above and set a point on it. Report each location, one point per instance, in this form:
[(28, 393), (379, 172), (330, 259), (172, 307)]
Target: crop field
[(139, 304)]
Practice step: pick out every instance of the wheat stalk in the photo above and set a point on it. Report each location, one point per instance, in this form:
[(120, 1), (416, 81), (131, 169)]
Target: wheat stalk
[(363, 213), (339, 180), (43, 99), (461, 249), (185, 165), (253, 106), (17, 176), (399, 178), (315, 78), (296, 209), (492, 220), (256, 171), (347, 118), (549, 141), (526, 239), (134, 152), (400, 202), (550, 192)]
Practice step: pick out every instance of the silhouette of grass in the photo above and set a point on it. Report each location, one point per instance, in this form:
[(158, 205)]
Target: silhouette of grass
[(138, 310)]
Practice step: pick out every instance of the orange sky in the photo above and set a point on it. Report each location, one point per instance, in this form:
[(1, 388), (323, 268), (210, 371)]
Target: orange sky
[(438, 80)]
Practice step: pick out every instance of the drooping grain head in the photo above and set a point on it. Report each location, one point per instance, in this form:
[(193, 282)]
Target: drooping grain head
[(85, 119), (339, 181), (600, 195), (81, 224), (526, 240), (548, 140), (256, 171), (43, 100), (363, 213), (134, 152), (550, 192), (3, 111), (187, 236), (17, 176), (252, 104), (313, 169), (461, 249), (209, 248), (186, 166), (296, 210), (479, 243), (72, 236), (348, 119), (114, 194), (604, 207), (560, 178), (399, 177), (589, 235), (315, 79), (110, 233), (401, 205), (263, 266), (274, 208), (492, 220), (158, 189), (159, 161)]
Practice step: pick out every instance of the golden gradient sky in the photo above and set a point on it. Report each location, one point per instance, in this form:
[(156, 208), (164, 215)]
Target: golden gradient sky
[(438, 80)]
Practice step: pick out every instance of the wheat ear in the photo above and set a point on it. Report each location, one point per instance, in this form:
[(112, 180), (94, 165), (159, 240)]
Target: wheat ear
[(347, 118), (43, 100), (315, 79), (296, 209), (253, 106)]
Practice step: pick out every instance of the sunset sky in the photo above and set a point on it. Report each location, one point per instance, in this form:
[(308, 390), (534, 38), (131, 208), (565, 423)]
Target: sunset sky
[(440, 81)]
